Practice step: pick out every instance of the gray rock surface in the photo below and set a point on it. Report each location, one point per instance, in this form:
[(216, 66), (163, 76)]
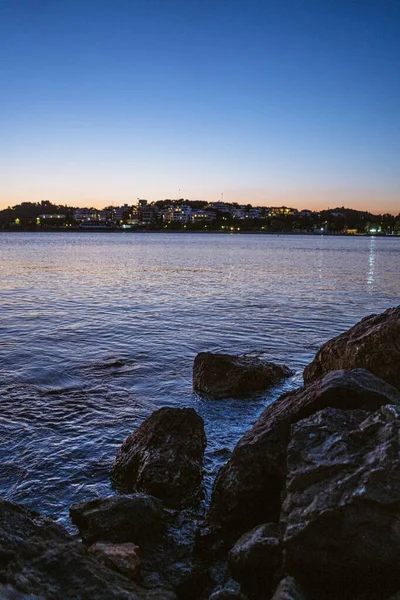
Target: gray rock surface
[(255, 561), (341, 511), (136, 518), (288, 589), (373, 344), (40, 559), (227, 595), (124, 558), (229, 376), (164, 456), (247, 490)]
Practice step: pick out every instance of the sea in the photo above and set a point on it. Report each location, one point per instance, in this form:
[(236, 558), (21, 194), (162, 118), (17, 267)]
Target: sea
[(98, 330)]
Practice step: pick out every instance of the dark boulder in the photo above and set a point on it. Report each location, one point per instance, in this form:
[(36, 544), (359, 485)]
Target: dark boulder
[(288, 589), (164, 456), (39, 559), (341, 511), (247, 490), (229, 376), (133, 518), (373, 344), (255, 561)]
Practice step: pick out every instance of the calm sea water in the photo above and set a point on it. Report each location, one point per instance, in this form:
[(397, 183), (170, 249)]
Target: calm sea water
[(99, 330)]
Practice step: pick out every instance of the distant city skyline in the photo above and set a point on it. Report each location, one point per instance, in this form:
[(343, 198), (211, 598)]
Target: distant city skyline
[(289, 102)]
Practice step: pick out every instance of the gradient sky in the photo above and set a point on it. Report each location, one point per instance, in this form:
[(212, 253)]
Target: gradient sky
[(267, 101)]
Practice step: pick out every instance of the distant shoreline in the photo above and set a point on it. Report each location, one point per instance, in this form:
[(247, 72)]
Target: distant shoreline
[(202, 232)]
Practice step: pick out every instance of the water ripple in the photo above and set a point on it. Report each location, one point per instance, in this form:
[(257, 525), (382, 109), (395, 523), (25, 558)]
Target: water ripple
[(99, 330)]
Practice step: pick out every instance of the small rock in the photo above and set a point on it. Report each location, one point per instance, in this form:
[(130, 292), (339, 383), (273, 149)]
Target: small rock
[(164, 456), (256, 558), (288, 589), (228, 376), (227, 595), (123, 558), (136, 518), (371, 344)]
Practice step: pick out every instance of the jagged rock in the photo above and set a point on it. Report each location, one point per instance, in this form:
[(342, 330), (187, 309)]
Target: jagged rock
[(341, 510), (164, 456), (247, 490), (135, 518), (255, 560), (288, 589), (373, 344), (40, 559), (226, 375), (123, 558)]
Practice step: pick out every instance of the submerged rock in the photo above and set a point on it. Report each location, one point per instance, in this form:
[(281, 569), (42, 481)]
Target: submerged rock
[(373, 344), (341, 510), (247, 490), (39, 559), (255, 560), (228, 376), (135, 518), (164, 456)]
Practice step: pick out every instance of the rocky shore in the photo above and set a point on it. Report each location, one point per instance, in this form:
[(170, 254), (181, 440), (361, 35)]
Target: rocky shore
[(306, 508)]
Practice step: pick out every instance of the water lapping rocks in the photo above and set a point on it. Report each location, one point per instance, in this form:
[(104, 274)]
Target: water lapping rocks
[(307, 508), (229, 376)]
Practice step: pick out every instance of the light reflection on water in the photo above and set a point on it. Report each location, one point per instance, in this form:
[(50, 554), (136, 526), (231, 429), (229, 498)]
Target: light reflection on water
[(98, 330), (371, 262)]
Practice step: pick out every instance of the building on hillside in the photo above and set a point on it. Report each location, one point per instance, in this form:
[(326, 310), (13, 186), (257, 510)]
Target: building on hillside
[(145, 213), (278, 211), (86, 214), (122, 213), (201, 215), (177, 214), (237, 213)]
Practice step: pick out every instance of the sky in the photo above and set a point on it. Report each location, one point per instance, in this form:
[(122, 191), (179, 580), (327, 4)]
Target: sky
[(267, 102)]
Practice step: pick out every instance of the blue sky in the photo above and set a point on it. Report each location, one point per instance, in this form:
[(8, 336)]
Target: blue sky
[(268, 102)]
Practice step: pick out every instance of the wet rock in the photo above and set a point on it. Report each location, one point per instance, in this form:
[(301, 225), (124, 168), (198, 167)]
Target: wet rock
[(247, 490), (373, 344), (40, 559), (255, 560), (123, 558), (341, 510), (8, 592), (288, 589), (228, 376), (164, 456), (135, 518)]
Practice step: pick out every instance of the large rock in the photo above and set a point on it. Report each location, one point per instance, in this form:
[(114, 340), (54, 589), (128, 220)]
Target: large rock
[(247, 490), (229, 376), (341, 511), (164, 456), (373, 344), (133, 518), (255, 560), (39, 559)]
